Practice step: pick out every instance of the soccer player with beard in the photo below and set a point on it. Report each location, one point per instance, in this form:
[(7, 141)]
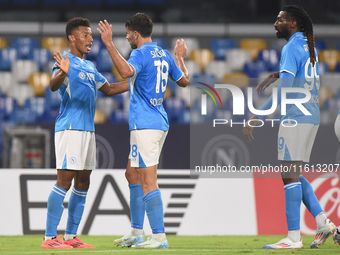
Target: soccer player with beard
[(298, 69), (148, 69)]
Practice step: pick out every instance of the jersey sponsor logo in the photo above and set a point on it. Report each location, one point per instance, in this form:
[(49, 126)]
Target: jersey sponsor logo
[(82, 75), (156, 101)]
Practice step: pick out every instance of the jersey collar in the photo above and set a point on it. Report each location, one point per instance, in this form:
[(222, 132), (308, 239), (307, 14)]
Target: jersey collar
[(297, 34), (149, 44)]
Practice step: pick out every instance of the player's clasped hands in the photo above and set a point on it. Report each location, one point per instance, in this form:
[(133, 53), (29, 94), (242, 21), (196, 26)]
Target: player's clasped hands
[(62, 63), (105, 31)]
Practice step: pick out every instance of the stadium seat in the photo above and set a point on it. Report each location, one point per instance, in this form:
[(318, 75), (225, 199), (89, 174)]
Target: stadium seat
[(188, 94), (55, 44), (48, 66), (191, 43), (22, 68), (202, 57), (253, 69), (110, 77), (50, 115), (331, 80), (7, 106), (99, 117), (39, 81), (97, 45), (253, 45), (161, 42), (41, 56), (320, 45), (209, 79), (324, 68), (219, 46), (20, 93), (119, 2), (36, 106), (24, 45), (238, 79), (22, 115), (6, 81), (271, 57), (217, 68), (173, 107), (236, 58), (325, 93), (7, 56), (104, 62), (52, 99), (184, 116), (120, 116), (193, 68), (3, 42), (330, 57), (107, 105), (123, 45)]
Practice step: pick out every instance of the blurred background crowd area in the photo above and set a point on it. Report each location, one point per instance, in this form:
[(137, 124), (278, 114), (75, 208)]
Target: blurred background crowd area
[(243, 57)]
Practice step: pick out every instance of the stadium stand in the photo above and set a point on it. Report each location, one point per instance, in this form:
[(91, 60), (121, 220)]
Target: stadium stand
[(220, 46), (202, 57), (55, 44), (253, 45)]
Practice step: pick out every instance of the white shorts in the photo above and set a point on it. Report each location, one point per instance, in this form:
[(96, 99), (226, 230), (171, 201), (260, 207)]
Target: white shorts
[(337, 127), (75, 150), (146, 146), (296, 143)]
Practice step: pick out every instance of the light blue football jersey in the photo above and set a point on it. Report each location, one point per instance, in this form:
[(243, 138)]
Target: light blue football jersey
[(152, 65), (78, 95), (295, 59)]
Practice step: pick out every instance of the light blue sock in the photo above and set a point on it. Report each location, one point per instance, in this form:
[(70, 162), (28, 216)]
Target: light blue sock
[(293, 197), (309, 198), (75, 210), (137, 206), (55, 209), (154, 210)]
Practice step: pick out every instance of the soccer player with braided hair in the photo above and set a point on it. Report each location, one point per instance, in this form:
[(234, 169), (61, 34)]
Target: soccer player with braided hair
[(299, 68)]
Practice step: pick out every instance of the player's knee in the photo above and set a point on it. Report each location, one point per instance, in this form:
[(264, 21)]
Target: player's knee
[(64, 184)]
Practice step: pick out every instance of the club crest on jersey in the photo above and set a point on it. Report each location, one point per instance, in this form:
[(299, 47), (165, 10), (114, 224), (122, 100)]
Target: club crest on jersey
[(82, 75), (157, 53)]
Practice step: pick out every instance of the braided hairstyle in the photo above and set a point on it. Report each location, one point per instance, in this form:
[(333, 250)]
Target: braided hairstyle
[(305, 24)]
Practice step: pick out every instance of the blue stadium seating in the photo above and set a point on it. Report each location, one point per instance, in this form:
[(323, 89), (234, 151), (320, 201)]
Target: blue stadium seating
[(36, 107), (88, 2), (219, 46), (120, 2), (173, 107), (104, 62), (7, 56), (24, 45), (271, 58), (52, 99), (7, 106), (253, 69), (161, 42), (120, 116), (320, 44), (41, 56), (111, 78), (50, 115), (209, 79)]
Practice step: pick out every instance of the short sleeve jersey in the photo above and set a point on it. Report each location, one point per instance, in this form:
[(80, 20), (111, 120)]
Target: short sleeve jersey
[(153, 66), (295, 59), (78, 95)]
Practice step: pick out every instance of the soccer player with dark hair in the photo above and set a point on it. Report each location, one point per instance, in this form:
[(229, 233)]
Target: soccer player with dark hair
[(77, 81), (148, 69), (299, 68)]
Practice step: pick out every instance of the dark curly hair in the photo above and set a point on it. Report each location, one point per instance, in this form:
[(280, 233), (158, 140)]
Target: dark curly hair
[(75, 23)]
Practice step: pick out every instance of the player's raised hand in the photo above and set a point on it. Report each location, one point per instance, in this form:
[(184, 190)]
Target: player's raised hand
[(181, 48), (266, 82), (105, 30), (62, 63)]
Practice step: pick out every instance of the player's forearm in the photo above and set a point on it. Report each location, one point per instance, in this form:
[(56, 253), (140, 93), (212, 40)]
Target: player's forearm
[(185, 78), (57, 80), (119, 87), (119, 62)]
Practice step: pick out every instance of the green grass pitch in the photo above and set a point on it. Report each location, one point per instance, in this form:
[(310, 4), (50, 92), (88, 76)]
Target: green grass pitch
[(30, 244)]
